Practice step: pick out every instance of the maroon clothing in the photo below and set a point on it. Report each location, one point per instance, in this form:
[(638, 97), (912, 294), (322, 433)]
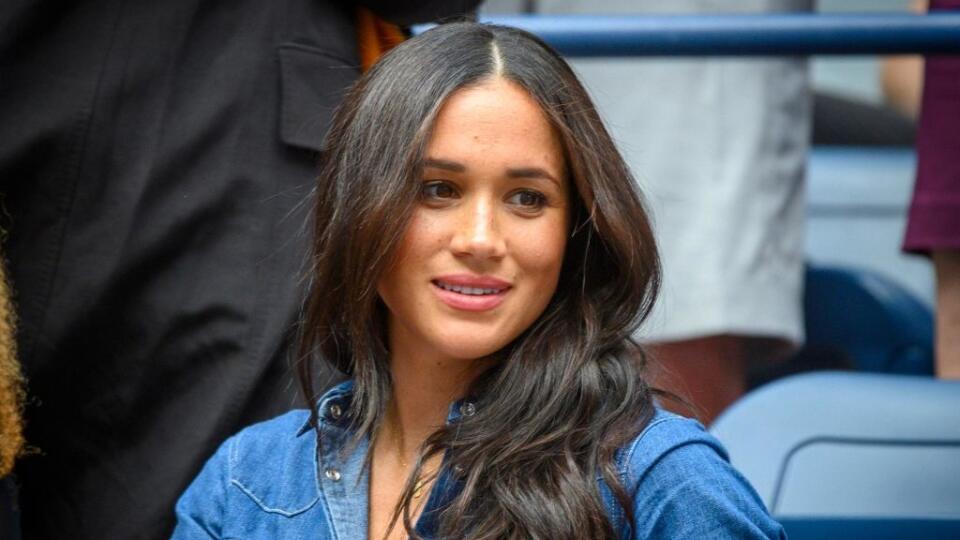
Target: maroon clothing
[(934, 221)]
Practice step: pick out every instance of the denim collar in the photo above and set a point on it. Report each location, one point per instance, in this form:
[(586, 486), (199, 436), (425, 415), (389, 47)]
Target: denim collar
[(333, 407), (342, 478)]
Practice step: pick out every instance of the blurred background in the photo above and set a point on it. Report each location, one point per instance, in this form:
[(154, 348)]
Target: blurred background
[(856, 209), (844, 431)]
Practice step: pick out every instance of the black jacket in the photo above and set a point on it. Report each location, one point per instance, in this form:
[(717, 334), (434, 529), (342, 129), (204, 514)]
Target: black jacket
[(156, 161)]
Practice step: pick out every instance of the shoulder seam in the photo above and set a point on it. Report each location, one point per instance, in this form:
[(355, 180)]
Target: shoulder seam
[(233, 453), (702, 438), (636, 442)]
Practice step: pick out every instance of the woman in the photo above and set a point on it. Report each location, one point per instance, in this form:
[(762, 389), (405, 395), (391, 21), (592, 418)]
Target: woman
[(481, 259)]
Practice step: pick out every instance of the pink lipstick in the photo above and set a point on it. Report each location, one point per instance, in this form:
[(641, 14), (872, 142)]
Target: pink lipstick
[(470, 292)]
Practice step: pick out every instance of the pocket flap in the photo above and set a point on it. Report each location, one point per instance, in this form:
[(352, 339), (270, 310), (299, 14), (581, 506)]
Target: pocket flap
[(275, 467), (313, 82)]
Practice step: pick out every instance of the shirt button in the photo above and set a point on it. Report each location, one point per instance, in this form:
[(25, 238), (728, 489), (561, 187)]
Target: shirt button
[(332, 474), (336, 411), (468, 409)]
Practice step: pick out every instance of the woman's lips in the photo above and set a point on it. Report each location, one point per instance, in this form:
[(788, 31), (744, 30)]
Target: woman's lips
[(471, 294)]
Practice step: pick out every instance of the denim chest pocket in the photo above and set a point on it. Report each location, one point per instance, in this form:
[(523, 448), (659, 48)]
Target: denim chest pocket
[(277, 478)]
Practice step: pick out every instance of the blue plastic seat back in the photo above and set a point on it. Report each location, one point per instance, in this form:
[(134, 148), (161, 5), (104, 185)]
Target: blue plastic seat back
[(871, 529), (851, 451), (880, 325)]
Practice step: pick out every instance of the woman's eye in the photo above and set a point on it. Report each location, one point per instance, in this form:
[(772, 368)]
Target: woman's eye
[(437, 190), (528, 200)]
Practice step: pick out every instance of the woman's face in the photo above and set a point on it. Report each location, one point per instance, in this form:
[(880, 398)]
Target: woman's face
[(481, 256)]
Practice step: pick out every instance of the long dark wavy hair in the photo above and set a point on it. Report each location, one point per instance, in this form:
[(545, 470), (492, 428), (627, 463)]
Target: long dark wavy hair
[(569, 391)]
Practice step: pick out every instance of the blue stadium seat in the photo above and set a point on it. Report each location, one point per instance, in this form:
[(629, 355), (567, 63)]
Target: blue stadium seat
[(852, 455), (880, 325)]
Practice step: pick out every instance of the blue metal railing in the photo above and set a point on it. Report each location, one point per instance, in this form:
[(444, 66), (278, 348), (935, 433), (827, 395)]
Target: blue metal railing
[(741, 35)]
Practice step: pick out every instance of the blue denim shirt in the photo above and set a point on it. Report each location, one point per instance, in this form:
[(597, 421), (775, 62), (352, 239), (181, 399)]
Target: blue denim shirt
[(266, 482)]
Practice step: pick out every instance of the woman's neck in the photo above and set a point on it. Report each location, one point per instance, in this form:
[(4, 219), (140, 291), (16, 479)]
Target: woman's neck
[(422, 392), (424, 385)]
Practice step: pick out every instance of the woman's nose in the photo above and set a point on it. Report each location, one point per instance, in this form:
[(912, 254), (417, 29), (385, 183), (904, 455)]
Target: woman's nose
[(478, 231)]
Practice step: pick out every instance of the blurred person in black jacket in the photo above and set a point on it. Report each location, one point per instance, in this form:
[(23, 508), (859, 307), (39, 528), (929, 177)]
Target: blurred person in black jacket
[(154, 162)]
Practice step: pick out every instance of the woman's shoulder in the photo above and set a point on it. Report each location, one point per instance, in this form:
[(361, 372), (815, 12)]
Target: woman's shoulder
[(279, 434), (680, 480), (289, 432), (263, 453), (287, 425), (265, 469), (667, 432)]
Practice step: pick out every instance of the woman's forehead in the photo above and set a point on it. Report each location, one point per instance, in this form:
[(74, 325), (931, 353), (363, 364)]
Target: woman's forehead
[(496, 121)]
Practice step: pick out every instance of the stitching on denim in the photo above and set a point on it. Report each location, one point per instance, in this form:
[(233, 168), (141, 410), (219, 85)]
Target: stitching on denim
[(233, 454), (628, 458), (232, 459), (322, 494), (618, 517), (263, 506)]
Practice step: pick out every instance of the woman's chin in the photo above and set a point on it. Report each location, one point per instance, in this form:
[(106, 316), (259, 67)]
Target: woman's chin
[(470, 348), (473, 340), (469, 352)]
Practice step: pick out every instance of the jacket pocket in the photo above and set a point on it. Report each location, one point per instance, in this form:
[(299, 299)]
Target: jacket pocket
[(274, 468), (313, 82)]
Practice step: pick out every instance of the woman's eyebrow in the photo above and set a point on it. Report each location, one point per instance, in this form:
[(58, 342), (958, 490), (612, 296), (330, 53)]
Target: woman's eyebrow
[(532, 172), (444, 164), (512, 172)]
